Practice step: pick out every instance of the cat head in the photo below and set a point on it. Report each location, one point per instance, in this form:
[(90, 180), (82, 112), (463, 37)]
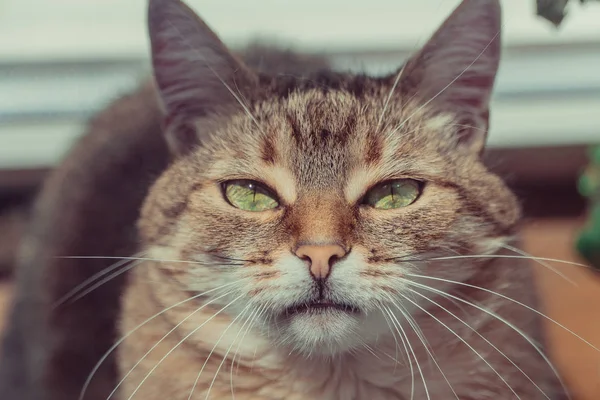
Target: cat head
[(309, 200)]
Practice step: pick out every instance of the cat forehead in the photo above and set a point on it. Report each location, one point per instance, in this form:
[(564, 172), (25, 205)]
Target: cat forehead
[(324, 118), (317, 122), (343, 124), (328, 139)]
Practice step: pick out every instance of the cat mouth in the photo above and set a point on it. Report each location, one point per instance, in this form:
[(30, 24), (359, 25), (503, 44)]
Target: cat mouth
[(320, 307)]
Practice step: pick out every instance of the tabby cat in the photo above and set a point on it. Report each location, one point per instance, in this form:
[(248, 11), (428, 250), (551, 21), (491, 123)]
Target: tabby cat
[(293, 232)]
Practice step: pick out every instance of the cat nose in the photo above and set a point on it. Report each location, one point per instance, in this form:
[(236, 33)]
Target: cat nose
[(320, 257)]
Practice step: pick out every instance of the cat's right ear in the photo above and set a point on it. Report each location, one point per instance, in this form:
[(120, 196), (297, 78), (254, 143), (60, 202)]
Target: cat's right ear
[(455, 70), (195, 73)]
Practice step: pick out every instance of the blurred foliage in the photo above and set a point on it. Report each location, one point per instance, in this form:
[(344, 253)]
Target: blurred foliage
[(588, 243), (554, 10)]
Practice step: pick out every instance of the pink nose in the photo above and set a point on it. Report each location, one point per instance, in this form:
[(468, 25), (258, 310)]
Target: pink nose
[(321, 258)]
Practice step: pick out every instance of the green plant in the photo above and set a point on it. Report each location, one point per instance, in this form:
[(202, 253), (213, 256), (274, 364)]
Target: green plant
[(588, 242)]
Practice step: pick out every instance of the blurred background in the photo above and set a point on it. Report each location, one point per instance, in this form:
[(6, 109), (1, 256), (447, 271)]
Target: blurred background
[(63, 60)]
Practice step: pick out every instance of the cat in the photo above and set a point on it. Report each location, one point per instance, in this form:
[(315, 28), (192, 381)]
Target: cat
[(293, 233)]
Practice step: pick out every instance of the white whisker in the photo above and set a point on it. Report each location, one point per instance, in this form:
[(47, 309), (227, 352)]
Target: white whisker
[(140, 260), (249, 321), (400, 329), (506, 256), (92, 278), (177, 345), (541, 262), (499, 318), (389, 97), (482, 337), (102, 282), (163, 338), (151, 259), (122, 339), (372, 351), (227, 351), (239, 316), (248, 328), (464, 342), (506, 298), (397, 347), (423, 340)]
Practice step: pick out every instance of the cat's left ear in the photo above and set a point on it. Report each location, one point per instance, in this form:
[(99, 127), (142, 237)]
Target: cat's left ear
[(195, 73), (456, 69)]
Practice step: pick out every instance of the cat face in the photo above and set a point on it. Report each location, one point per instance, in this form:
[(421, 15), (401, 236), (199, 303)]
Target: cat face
[(310, 200)]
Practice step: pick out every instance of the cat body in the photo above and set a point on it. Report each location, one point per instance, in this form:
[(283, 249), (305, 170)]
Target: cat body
[(293, 233)]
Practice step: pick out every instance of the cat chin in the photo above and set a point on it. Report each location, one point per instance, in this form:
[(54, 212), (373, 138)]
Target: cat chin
[(328, 333), (325, 332)]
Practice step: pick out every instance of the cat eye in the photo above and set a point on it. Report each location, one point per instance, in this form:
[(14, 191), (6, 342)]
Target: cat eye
[(249, 195), (393, 194)]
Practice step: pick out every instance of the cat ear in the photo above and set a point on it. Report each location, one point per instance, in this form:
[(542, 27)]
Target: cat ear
[(456, 69), (195, 73)]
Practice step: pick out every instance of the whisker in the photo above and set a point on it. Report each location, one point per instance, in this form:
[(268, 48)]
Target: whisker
[(499, 318), (372, 352), (224, 358), (505, 256), (255, 350), (162, 339), (69, 296), (482, 337), (506, 298), (248, 321), (412, 372), (101, 282), (150, 259), (400, 329), (541, 262), (397, 347), (122, 339), (389, 96), (250, 325), (240, 315), (463, 341), (178, 344), (426, 345), (417, 329), (396, 341), (97, 275)]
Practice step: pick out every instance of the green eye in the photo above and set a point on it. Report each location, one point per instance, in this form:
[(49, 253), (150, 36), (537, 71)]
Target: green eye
[(393, 194), (249, 196)]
